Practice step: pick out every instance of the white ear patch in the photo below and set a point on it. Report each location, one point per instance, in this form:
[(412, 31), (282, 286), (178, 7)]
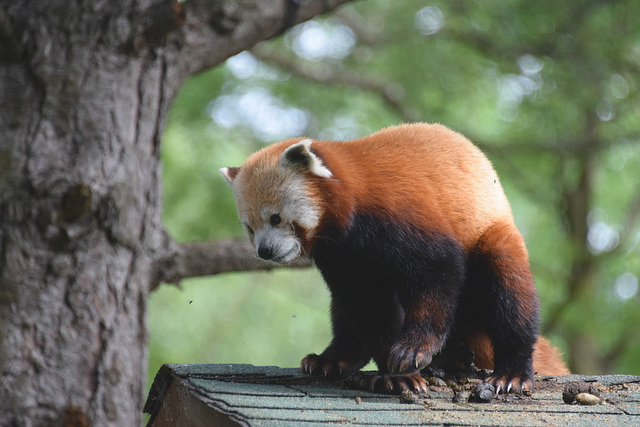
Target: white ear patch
[(229, 174), (300, 156)]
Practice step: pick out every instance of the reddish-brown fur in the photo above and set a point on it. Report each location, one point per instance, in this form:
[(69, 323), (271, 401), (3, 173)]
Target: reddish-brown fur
[(547, 360), (368, 178), (507, 251)]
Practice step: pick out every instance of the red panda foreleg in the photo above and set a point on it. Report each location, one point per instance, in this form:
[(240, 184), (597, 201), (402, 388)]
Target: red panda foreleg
[(345, 354)]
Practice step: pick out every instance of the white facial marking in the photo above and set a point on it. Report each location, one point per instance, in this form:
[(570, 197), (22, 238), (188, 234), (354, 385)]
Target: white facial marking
[(297, 205), (282, 243)]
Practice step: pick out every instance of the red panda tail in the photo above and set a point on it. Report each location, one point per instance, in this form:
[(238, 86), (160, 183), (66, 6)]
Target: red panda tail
[(547, 359)]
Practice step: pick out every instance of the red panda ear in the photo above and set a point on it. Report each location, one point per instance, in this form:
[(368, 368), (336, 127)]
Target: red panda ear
[(299, 156), (229, 174)]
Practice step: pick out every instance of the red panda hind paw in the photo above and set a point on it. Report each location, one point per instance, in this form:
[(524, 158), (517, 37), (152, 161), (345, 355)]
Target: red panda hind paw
[(396, 384), (314, 364), (511, 383)]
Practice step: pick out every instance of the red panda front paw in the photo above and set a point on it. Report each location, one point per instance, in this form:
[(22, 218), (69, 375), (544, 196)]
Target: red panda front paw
[(405, 359), (320, 365), (507, 383), (396, 384)]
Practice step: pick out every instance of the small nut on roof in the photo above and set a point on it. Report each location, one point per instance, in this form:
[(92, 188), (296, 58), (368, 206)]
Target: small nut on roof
[(588, 399)]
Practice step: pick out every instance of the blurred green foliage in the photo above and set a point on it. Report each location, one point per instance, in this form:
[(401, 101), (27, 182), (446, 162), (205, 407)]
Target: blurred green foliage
[(548, 89)]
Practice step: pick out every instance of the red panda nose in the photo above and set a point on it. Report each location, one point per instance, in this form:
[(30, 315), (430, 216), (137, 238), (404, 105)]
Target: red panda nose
[(265, 252)]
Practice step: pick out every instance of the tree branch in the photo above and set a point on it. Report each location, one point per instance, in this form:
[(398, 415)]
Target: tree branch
[(207, 258), (215, 30), (391, 93)]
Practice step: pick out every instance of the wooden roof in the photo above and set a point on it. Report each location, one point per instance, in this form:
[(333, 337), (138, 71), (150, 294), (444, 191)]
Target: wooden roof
[(204, 395)]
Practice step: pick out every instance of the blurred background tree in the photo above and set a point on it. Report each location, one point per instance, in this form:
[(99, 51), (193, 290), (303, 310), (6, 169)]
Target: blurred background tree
[(548, 89)]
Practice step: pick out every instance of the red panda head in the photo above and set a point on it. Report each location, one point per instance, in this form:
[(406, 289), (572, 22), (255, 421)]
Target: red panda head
[(275, 200)]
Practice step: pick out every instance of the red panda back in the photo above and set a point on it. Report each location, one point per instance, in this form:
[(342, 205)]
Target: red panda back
[(427, 175)]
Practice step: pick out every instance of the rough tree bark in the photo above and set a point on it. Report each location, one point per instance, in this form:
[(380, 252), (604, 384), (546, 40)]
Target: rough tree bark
[(84, 91)]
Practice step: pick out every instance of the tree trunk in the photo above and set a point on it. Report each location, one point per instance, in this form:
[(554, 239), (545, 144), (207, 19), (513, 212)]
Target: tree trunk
[(84, 91)]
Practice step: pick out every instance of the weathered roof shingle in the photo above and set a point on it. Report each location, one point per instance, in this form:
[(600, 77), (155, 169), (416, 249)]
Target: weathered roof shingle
[(202, 395)]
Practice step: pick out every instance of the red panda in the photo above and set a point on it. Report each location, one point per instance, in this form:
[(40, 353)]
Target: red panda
[(415, 238)]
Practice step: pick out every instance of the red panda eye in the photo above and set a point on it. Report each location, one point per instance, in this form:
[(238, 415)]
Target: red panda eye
[(275, 219), (249, 229)]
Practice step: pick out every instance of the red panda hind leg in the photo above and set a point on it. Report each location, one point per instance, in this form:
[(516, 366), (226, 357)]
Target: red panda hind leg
[(502, 286)]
